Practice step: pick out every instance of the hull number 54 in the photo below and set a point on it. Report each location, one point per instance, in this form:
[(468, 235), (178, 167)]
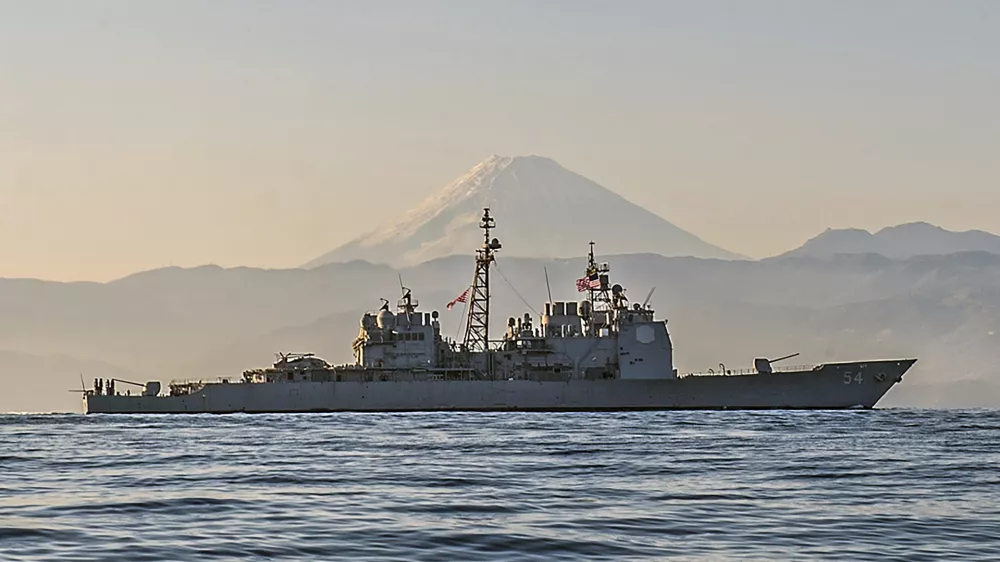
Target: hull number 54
[(849, 378)]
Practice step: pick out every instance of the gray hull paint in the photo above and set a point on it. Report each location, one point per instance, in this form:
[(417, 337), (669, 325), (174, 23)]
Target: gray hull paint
[(830, 386)]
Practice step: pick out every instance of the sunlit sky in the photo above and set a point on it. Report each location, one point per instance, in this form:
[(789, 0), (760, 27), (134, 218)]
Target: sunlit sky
[(136, 135)]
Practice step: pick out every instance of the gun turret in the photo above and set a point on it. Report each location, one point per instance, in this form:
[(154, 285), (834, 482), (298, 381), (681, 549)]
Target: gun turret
[(763, 365)]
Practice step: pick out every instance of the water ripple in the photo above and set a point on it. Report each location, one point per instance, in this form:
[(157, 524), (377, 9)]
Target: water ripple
[(884, 484)]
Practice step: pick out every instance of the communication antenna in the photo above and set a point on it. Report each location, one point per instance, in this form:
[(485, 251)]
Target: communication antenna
[(406, 302), (83, 386), (547, 286), (649, 296)]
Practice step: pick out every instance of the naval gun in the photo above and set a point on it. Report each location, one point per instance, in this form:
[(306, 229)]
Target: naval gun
[(151, 388), (106, 387), (763, 365)]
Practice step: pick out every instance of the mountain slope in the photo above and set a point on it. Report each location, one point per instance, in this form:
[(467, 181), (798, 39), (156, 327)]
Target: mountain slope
[(542, 210), (897, 242)]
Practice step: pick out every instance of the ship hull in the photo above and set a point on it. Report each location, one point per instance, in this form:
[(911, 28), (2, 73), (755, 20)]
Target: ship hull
[(830, 386)]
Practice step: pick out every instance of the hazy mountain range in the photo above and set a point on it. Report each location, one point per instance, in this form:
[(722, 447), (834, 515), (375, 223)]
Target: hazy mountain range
[(206, 322), (898, 242), (909, 291)]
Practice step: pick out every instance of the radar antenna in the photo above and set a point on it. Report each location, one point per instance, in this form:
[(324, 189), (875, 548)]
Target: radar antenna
[(477, 330)]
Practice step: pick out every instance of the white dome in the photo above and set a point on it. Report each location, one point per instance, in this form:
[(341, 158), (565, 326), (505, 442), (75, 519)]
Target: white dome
[(386, 320)]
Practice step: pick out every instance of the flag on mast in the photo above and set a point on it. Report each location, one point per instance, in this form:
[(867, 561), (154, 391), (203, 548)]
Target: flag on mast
[(592, 281), (460, 298)]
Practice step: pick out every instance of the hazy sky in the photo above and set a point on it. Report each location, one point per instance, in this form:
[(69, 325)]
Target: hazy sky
[(140, 134)]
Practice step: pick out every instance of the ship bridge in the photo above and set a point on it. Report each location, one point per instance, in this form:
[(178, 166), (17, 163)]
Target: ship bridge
[(405, 339)]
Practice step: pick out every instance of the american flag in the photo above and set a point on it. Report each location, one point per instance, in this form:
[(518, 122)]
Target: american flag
[(461, 298), (592, 281)]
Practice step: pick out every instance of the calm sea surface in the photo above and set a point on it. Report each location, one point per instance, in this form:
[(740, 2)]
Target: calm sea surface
[(868, 485)]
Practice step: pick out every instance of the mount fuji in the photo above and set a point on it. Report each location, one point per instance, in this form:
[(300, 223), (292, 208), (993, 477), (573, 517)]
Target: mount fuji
[(542, 209)]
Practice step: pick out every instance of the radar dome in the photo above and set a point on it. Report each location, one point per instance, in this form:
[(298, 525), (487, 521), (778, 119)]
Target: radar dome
[(368, 321), (386, 320)]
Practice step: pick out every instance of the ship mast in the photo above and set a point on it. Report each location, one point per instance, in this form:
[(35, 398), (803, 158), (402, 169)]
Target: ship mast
[(598, 295), (591, 269), (477, 330)]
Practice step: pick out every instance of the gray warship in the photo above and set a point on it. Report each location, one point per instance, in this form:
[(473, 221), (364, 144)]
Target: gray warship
[(600, 353)]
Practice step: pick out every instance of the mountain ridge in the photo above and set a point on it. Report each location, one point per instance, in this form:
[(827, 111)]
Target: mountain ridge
[(902, 241)]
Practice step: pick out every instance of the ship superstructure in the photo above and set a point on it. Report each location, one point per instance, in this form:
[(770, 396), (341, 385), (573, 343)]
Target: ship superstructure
[(599, 353)]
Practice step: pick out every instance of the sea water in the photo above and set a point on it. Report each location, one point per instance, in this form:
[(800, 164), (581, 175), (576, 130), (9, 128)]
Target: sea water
[(849, 485)]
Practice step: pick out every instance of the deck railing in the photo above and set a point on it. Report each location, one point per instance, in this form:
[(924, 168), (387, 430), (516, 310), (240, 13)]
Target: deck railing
[(751, 371)]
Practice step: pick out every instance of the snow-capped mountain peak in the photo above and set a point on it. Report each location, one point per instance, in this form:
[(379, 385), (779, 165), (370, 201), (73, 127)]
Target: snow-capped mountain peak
[(542, 210)]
